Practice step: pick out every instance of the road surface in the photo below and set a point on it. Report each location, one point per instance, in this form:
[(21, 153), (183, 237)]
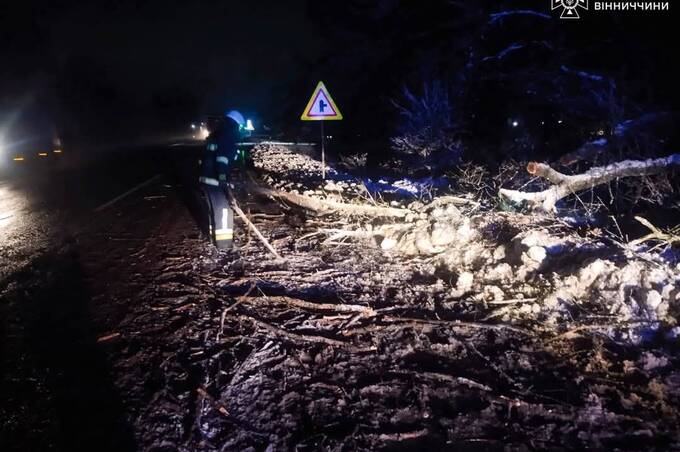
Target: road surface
[(56, 252)]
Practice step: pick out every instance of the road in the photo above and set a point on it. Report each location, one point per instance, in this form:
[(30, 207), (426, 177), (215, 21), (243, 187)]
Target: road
[(41, 206), (56, 258)]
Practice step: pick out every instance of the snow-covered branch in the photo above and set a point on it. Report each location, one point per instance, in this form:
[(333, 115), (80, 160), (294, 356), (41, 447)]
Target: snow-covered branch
[(565, 185)]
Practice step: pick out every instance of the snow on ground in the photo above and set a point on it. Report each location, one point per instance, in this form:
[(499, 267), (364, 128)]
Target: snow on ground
[(509, 253)]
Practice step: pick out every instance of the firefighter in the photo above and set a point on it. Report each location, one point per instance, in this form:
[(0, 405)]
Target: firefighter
[(218, 155)]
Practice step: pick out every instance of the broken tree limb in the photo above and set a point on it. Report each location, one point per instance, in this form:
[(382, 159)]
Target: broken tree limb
[(656, 234), (565, 185), (322, 206), (442, 201), (344, 308), (250, 224), (297, 338)]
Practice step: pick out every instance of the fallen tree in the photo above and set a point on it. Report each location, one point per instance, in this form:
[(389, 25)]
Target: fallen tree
[(324, 206), (565, 185)]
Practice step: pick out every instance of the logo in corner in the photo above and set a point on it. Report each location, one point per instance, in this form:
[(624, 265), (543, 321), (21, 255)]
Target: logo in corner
[(569, 7)]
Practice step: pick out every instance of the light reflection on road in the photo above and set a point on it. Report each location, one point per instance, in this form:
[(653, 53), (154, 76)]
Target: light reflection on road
[(11, 204), (25, 227)]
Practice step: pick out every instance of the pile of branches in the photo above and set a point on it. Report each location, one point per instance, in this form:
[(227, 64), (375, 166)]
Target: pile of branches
[(434, 323)]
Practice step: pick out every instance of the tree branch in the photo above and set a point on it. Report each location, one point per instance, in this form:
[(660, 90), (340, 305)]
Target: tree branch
[(565, 185)]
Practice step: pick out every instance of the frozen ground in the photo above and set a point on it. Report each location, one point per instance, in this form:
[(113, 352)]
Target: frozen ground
[(450, 328)]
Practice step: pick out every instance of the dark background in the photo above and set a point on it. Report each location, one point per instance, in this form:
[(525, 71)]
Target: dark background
[(133, 70)]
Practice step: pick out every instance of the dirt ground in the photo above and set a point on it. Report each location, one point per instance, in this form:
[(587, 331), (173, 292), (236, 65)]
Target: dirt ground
[(341, 345)]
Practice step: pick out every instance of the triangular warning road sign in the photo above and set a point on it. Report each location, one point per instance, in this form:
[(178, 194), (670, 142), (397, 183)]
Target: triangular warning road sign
[(321, 106)]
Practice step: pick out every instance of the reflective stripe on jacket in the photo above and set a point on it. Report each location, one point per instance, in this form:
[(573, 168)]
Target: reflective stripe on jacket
[(209, 181)]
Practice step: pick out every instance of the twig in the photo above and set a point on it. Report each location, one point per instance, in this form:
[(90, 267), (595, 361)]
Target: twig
[(449, 378), (458, 324), (656, 234), (493, 365), (364, 310), (218, 406), (245, 219), (401, 323), (296, 338), (223, 317), (108, 337), (396, 437), (515, 301)]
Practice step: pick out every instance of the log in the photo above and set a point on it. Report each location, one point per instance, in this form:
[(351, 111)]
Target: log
[(328, 207), (565, 185)]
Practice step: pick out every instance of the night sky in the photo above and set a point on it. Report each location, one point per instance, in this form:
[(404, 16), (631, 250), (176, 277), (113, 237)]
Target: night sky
[(152, 63), (143, 69)]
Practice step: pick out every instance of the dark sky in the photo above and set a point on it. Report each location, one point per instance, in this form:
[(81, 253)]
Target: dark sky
[(127, 68), (133, 57)]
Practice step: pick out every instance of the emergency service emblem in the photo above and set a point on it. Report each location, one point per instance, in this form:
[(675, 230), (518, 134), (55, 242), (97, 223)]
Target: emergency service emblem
[(569, 7)]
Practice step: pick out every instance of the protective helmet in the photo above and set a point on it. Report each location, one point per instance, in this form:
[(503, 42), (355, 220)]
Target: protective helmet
[(236, 116)]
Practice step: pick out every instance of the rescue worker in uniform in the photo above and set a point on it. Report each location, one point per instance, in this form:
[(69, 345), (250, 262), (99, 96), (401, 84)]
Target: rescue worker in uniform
[(218, 155)]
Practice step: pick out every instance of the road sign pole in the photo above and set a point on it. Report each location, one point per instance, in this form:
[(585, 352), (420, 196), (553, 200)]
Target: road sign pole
[(321, 107), (323, 152)]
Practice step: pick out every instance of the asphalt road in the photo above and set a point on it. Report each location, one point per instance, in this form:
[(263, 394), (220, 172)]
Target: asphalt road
[(43, 204), (56, 250)]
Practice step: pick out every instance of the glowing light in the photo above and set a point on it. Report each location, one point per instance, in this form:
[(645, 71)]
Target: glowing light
[(515, 123), (249, 126), (58, 151), (18, 159), (559, 122), (42, 154), (193, 126)]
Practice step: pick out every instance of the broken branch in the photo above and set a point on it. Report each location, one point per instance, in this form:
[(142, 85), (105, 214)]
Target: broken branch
[(250, 224), (565, 185), (364, 310), (670, 237), (326, 207)]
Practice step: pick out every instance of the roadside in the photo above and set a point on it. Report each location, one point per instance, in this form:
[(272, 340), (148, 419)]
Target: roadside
[(56, 390)]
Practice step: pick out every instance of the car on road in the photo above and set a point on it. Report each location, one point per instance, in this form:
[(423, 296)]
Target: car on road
[(26, 146)]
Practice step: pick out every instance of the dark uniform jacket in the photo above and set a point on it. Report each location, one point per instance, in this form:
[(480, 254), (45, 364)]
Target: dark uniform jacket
[(219, 153)]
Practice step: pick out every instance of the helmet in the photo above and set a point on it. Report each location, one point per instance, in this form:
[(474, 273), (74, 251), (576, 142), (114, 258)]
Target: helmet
[(236, 116)]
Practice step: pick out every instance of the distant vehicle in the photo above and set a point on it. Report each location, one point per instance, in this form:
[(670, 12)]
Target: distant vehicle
[(201, 130), (24, 144)]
